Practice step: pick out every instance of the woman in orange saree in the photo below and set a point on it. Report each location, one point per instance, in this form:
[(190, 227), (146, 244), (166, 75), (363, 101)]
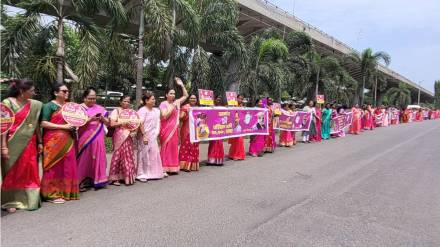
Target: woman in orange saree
[(355, 127), (60, 178), (21, 182), (169, 129)]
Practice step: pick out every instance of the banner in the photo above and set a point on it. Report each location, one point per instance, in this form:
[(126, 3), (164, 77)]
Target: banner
[(231, 97), (379, 119), (295, 121), (216, 123), (341, 122), (7, 118), (206, 97), (320, 99)]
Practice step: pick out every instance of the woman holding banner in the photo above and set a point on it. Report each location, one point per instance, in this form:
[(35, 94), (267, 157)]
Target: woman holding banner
[(60, 179), (306, 134), (237, 151), (122, 166), (216, 153), (92, 160), (317, 137), (20, 148), (256, 145), (286, 139), (149, 160), (270, 143), (189, 152), (169, 128), (326, 121)]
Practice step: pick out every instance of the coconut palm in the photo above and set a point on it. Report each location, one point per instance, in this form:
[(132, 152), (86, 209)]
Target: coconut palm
[(400, 95), (81, 18), (437, 94), (368, 62)]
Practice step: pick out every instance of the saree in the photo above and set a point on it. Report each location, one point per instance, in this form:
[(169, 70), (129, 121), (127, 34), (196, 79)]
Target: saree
[(216, 153), (269, 140), (326, 121), (60, 178), (316, 137), (149, 161), (355, 127), (169, 139), (188, 152), (122, 166), (256, 145), (236, 150), (92, 160), (21, 182)]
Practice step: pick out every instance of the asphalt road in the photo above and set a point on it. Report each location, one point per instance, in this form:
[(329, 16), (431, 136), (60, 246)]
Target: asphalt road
[(381, 188)]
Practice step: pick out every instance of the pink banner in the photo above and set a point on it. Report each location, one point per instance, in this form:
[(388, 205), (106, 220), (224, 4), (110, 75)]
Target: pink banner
[(216, 123), (295, 121), (341, 122)]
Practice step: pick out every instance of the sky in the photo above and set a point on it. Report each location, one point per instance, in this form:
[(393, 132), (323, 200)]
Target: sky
[(408, 30)]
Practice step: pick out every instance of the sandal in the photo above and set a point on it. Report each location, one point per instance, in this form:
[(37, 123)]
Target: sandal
[(143, 180), (58, 201), (116, 183)]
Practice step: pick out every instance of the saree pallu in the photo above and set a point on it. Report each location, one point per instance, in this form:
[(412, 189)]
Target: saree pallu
[(216, 154), (122, 166), (91, 158), (60, 177), (188, 152), (169, 139), (269, 140), (236, 150), (21, 182)]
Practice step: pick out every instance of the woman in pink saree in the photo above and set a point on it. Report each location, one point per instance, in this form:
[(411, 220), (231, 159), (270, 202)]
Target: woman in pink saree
[(216, 152), (20, 148), (189, 151), (169, 129), (122, 166), (91, 157), (256, 145), (149, 161), (60, 179)]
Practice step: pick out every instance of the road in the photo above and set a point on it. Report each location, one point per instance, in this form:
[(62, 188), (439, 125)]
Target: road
[(381, 188)]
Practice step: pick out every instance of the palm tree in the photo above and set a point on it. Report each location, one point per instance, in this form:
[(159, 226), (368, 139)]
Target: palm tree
[(321, 67), (437, 94), (368, 62), (81, 18), (400, 95)]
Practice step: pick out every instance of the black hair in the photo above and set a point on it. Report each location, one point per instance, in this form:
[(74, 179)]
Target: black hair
[(18, 86), (147, 96), (167, 90), (56, 88), (88, 91), (124, 97), (256, 101)]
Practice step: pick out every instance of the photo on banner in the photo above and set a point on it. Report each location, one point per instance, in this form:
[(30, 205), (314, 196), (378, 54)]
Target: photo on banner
[(218, 123)]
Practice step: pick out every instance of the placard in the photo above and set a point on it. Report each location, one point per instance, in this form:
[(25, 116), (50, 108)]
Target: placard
[(74, 114), (206, 97), (7, 118), (231, 97), (320, 99), (130, 117)]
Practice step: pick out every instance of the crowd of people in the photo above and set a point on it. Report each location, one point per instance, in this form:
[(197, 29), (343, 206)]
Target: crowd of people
[(74, 159)]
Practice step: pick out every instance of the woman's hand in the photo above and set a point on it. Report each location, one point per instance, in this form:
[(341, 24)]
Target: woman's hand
[(67, 126), (40, 148), (178, 81)]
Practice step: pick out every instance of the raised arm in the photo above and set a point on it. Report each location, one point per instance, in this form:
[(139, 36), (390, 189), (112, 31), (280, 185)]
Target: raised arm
[(185, 93)]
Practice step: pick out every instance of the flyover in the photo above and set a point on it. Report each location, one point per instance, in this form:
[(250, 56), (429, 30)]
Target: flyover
[(257, 15)]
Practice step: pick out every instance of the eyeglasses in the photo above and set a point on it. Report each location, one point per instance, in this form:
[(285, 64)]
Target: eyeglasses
[(64, 91)]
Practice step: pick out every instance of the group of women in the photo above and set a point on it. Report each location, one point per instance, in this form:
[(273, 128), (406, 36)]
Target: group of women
[(74, 159)]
